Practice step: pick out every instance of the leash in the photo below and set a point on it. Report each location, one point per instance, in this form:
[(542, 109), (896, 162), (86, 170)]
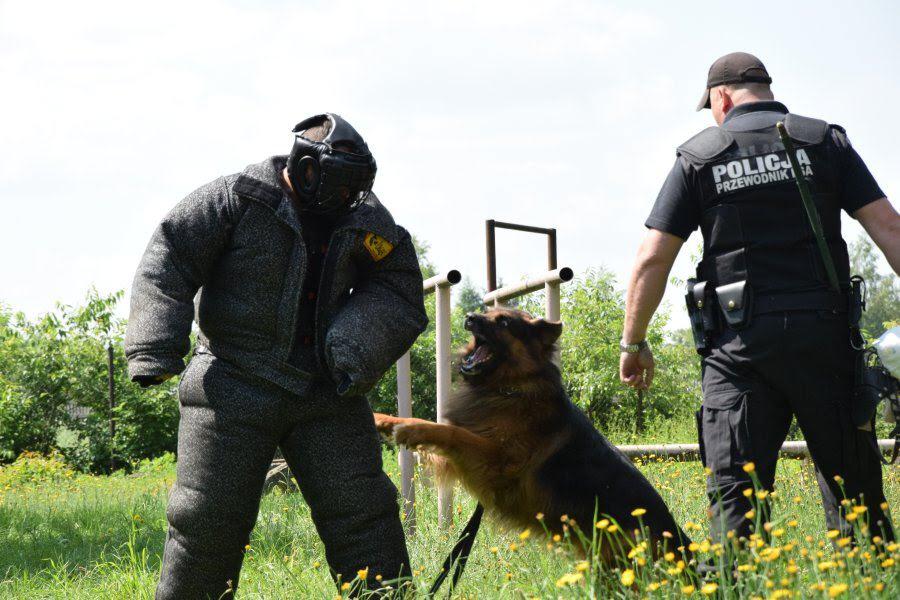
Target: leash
[(459, 554)]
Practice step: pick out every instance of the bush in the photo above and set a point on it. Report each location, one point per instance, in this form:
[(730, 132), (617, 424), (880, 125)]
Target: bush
[(32, 468), (54, 390)]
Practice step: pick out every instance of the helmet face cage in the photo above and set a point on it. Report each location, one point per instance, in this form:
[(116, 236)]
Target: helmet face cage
[(341, 179)]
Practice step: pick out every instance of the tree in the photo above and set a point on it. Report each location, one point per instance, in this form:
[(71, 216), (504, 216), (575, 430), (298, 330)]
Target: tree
[(882, 290), (470, 297)]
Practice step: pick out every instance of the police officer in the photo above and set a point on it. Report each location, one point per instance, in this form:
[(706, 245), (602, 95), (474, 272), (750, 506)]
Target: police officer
[(778, 337), (308, 292)]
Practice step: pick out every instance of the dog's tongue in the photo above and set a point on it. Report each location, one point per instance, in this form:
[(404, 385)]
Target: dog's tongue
[(481, 353)]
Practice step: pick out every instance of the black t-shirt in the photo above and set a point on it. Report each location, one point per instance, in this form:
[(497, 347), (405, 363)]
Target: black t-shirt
[(677, 208)]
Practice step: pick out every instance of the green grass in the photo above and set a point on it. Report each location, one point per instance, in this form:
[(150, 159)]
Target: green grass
[(66, 535)]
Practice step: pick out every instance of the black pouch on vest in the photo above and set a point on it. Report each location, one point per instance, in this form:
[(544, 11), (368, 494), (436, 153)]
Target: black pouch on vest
[(736, 302), (696, 304)]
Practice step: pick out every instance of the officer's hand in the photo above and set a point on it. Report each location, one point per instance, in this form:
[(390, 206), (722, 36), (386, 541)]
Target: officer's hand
[(636, 370)]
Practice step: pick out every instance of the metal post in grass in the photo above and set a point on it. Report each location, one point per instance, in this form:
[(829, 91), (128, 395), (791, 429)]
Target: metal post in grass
[(111, 381), (439, 285)]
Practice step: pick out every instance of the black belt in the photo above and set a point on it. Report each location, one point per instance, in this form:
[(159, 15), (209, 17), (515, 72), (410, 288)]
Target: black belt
[(769, 303)]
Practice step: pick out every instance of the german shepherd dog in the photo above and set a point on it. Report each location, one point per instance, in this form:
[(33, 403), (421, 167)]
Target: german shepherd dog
[(514, 439)]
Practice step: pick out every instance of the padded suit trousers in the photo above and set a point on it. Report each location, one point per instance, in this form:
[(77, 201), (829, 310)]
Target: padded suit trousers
[(231, 424), (755, 380)]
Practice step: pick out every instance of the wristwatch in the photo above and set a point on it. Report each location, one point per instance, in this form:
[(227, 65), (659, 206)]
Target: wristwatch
[(633, 348)]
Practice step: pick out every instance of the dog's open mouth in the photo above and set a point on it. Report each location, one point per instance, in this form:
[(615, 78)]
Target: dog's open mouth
[(478, 358)]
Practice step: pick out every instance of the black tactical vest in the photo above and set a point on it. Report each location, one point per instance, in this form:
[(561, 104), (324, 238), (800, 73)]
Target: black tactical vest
[(752, 218)]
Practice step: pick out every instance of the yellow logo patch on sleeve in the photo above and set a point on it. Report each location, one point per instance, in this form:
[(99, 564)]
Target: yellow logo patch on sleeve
[(377, 246)]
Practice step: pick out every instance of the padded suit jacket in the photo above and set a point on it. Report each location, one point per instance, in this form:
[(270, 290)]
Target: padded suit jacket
[(237, 240)]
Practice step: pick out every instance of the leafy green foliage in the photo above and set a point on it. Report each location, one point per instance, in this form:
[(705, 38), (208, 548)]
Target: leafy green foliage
[(883, 289), (54, 389)]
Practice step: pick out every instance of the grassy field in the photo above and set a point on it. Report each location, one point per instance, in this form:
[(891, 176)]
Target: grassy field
[(66, 535)]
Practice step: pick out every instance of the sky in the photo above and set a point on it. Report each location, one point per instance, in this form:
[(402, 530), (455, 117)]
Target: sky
[(555, 114)]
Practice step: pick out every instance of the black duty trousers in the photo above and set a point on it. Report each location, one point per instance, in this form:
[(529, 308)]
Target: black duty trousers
[(754, 381), (231, 424)]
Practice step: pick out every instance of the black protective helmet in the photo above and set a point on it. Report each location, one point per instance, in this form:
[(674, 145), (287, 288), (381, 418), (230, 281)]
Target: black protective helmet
[(333, 176)]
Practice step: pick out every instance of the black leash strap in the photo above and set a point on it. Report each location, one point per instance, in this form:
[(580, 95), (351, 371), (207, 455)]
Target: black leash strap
[(811, 212), (459, 555)]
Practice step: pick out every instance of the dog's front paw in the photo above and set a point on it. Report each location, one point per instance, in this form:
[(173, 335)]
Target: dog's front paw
[(385, 423), (411, 435)]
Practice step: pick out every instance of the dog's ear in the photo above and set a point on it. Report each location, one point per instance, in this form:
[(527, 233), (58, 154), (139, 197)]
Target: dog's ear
[(549, 331)]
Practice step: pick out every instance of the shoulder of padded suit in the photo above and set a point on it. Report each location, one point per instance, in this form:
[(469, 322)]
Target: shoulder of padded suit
[(706, 145), (372, 216)]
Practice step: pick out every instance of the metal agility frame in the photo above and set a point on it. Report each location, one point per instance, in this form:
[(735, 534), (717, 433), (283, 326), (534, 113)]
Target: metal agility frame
[(439, 285)]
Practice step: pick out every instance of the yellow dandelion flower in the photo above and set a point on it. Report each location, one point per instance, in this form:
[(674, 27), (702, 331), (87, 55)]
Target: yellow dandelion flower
[(525, 535), (613, 528), (710, 588), (879, 586), (704, 546), (778, 532), (827, 564), (582, 566), (860, 509), (778, 594), (556, 537), (851, 516), (378, 577), (693, 546), (748, 492), (316, 565), (653, 586), (837, 589), (888, 562), (602, 523), (363, 573), (797, 499), (345, 587), (792, 569), (513, 547), (627, 577), (638, 512), (687, 590), (669, 556), (749, 467), (841, 543), (839, 479), (793, 523), (247, 548), (564, 518), (761, 494), (568, 579), (833, 533), (750, 514), (539, 516)]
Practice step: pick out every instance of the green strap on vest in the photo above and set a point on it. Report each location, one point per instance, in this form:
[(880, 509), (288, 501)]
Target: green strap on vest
[(811, 212)]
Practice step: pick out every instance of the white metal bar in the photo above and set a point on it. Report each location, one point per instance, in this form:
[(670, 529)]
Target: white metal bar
[(497, 297), (442, 352), (692, 451), (405, 456), (451, 277)]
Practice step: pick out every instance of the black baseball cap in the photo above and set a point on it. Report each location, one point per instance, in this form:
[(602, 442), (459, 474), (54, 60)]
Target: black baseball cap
[(737, 67)]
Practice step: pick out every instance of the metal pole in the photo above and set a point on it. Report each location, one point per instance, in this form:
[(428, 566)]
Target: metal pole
[(442, 351), (405, 456), (551, 311), (111, 382), (491, 242)]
